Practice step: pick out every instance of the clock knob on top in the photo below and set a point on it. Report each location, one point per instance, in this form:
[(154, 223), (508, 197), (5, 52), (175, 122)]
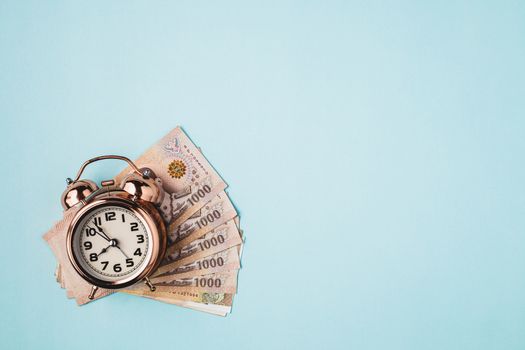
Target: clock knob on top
[(76, 192), (143, 187)]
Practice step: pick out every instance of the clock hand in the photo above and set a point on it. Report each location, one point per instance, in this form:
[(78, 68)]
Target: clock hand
[(113, 242), (100, 232), (122, 251), (103, 250)]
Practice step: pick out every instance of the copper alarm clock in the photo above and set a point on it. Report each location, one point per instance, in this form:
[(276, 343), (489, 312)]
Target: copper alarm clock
[(117, 236)]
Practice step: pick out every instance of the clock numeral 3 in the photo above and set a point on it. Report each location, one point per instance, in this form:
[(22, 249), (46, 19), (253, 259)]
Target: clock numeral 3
[(140, 238)]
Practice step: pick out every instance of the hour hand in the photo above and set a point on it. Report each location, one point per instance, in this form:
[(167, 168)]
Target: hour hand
[(103, 250)]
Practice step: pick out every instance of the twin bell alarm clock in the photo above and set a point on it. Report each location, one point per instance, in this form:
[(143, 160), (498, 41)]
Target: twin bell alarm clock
[(117, 236)]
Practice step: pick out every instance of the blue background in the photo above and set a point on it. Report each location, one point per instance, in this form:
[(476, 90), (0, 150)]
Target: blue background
[(374, 149)]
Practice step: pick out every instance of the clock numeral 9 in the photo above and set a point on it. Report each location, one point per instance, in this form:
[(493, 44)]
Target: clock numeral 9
[(134, 226), (129, 262), (110, 216), (93, 257), (140, 238), (88, 245), (90, 231)]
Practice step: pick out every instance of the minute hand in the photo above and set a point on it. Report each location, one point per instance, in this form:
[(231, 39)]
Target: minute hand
[(102, 233), (114, 242)]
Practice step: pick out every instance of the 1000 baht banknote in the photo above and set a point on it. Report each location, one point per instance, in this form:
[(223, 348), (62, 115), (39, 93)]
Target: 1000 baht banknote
[(186, 175)]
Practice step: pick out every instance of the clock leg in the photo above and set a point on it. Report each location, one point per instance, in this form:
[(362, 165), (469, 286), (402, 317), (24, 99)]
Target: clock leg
[(149, 284), (93, 291)]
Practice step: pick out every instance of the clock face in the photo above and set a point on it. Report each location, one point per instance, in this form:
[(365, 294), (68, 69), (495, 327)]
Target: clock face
[(111, 243)]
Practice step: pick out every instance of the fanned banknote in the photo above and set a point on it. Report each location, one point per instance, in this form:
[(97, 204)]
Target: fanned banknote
[(205, 242), (186, 175)]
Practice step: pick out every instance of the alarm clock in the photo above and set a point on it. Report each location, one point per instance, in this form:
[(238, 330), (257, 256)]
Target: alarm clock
[(117, 236)]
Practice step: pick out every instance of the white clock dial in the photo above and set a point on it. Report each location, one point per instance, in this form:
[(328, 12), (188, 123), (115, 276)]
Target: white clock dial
[(111, 243)]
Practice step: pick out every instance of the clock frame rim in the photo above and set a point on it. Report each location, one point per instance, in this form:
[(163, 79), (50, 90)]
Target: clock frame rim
[(154, 225)]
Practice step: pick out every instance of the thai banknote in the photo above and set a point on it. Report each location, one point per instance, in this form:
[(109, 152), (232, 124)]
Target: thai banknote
[(214, 213), (219, 310), (224, 282), (205, 298), (221, 238), (227, 260), (185, 173)]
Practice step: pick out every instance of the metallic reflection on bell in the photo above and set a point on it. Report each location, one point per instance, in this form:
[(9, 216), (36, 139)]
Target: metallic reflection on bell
[(76, 192), (144, 188)]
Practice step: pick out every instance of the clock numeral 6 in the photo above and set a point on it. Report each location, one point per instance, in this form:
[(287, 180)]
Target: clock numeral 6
[(117, 268), (134, 226), (88, 245), (129, 262), (140, 238), (93, 257)]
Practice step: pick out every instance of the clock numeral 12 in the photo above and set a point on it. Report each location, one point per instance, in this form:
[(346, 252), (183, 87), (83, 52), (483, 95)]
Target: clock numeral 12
[(110, 216)]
